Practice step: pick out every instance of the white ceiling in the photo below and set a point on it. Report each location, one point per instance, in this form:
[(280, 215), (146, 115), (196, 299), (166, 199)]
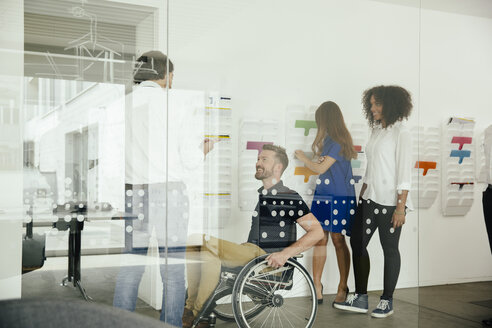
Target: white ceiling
[(479, 8), (106, 11), (51, 26)]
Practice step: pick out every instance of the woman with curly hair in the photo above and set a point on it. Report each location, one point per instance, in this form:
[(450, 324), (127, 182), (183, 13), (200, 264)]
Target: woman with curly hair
[(334, 197), (383, 199)]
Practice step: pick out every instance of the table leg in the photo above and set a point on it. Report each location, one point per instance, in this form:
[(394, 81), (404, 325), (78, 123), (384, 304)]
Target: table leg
[(77, 241), (71, 255), (82, 290), (76, 253), (70, 270), (74, 256), (64, 281), (128, 236)]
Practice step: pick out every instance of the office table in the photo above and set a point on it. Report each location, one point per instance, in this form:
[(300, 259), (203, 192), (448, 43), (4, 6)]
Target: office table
[(72, 216)]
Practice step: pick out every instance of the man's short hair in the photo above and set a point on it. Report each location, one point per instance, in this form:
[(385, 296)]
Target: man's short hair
[(152, 65), (280, 155)]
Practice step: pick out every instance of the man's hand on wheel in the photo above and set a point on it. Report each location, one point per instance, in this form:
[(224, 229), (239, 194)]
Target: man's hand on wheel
[(277, 260)]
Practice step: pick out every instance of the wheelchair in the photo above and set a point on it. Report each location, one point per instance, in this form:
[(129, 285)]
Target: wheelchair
[(258, 295)]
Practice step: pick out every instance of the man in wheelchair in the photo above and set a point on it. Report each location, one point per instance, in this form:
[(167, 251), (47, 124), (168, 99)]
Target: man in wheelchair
[(273, 231)]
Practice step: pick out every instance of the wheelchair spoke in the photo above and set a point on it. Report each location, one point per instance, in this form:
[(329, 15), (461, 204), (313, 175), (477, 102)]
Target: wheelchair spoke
[(275, 314), (287, 318), (255, 318), (269, 313), (280, 298), (258, 284), (279, 319), (295, 306), (292, 313)]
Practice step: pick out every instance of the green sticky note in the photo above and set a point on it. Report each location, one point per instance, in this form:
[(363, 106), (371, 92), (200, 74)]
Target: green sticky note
[(306, 125)]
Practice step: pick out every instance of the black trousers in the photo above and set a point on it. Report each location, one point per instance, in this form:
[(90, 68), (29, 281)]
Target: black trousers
[(487, 212), (369, 217)]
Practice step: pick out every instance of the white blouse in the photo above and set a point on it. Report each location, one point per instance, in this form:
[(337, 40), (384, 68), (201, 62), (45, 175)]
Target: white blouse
[(389, 164)]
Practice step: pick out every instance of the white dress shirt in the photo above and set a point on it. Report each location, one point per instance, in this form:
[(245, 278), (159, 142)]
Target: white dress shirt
[(487, 148), (158, 152), (389, 164)]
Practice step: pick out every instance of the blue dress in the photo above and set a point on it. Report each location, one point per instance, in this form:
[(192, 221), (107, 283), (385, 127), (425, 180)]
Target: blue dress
[(334, 201)]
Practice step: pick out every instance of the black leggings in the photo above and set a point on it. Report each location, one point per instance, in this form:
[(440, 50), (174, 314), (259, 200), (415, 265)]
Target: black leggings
[(487, 212), (369, 217)]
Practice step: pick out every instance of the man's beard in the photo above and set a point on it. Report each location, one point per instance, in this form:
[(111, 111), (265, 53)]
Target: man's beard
[(264, 174)]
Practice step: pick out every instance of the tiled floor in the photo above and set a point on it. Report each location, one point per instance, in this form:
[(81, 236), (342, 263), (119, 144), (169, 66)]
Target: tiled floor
[(459, 305)]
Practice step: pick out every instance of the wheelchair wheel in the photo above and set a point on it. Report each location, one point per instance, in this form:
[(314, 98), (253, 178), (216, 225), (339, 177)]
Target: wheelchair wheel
[(223, 308), (287, 293)]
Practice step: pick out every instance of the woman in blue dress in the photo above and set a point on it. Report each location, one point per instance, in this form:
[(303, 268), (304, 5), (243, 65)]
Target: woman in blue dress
[(334, 198)]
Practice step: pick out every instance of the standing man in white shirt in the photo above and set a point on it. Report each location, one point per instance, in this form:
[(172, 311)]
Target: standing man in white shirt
[(163, 148), (384, 197)]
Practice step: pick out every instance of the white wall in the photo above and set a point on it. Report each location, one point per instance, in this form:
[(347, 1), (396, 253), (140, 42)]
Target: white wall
[(12, 71), (268, 55), (456, 79), (271, 55)]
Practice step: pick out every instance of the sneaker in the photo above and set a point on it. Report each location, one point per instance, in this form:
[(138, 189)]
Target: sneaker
[(355, 302), (384, 309)]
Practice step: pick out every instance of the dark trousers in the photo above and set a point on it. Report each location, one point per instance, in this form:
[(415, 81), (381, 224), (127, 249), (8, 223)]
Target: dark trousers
[(487, 212), (369, 217)]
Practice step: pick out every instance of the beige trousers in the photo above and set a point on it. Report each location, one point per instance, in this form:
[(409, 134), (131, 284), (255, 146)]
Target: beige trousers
[(203, 267)]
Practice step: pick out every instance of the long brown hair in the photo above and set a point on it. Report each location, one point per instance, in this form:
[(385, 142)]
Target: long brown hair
[(330, 122)]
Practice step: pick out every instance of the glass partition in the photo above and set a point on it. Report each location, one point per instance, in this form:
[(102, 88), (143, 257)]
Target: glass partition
[(272, 67), (246, 163), (91, 174)]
